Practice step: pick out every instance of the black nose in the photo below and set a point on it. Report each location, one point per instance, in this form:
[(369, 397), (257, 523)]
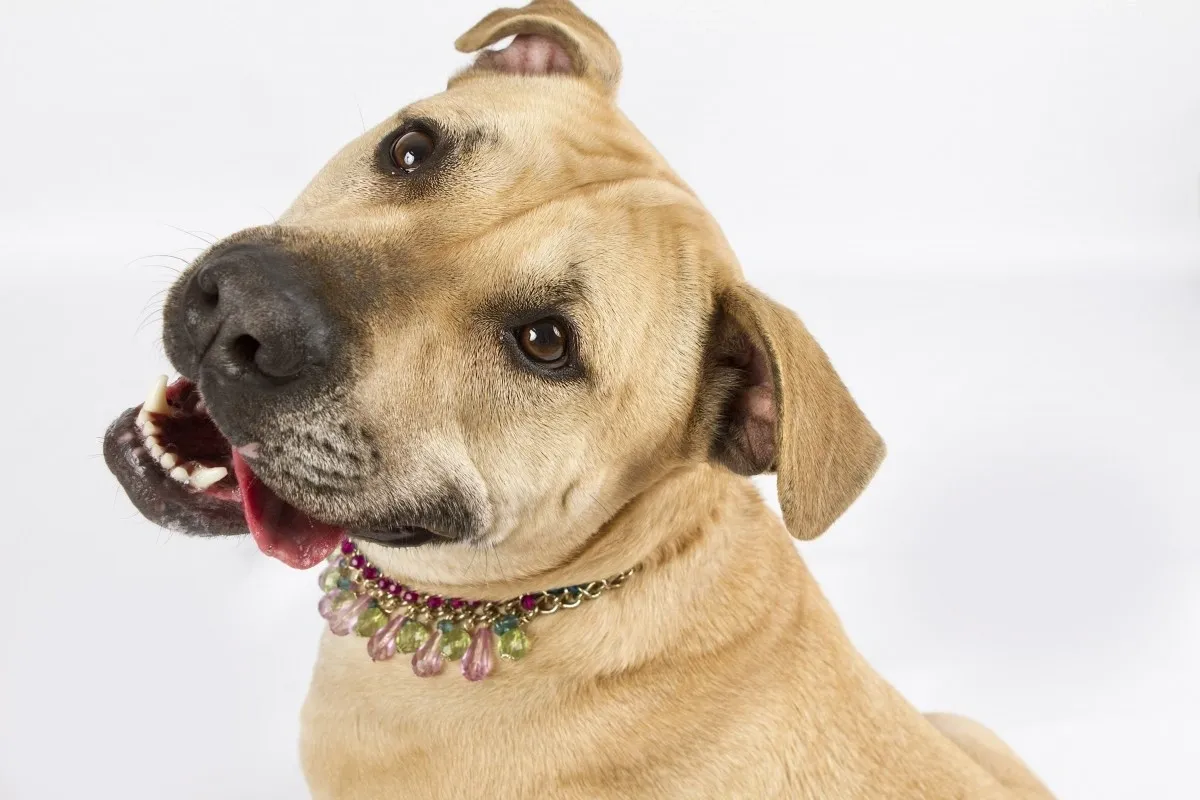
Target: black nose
[(250, 315)]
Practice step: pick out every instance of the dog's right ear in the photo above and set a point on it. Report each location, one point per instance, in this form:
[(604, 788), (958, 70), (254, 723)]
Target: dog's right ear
[(552, 36), (771, 402)]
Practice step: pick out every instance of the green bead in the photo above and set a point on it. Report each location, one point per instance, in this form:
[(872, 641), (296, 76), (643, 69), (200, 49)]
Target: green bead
[(514, 644), (455, 642), (411, 636), (331, 579), (370, 621)]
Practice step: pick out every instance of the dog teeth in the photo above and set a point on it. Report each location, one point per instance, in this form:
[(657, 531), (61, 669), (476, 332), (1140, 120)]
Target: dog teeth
[(192, 474), (205, 477), (156, 401)]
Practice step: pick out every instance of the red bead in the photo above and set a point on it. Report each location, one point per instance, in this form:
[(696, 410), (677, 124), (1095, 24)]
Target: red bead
[(347, 546), (357, 562), (434, 602), (529, 602), (456, 603), (394, 588), (370, 573), (410, 596)]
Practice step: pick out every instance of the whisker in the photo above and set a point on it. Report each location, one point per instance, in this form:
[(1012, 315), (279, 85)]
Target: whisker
[(499, 565), (194, 234), (153, 316), (165, 255)]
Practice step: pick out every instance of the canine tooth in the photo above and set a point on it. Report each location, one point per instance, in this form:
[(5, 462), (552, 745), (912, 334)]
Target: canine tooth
[(142, 418), (156, 401), (180, 474), (207, 476), (168, 460)]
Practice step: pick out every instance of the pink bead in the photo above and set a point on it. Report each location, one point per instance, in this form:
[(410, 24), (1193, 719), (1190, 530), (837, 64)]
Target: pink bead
[(479, 659), (325, 607), (342, 621), (382, 645), (428, 661), (347, 546), (529, 602)]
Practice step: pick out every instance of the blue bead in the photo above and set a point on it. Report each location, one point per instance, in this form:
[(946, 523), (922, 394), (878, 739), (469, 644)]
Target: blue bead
[(445, 625)]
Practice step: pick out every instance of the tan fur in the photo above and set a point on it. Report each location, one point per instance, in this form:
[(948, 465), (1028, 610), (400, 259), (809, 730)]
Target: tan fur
[(719, 670)]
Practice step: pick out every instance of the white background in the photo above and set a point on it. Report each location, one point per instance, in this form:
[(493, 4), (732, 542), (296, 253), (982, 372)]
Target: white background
[(989, 213)]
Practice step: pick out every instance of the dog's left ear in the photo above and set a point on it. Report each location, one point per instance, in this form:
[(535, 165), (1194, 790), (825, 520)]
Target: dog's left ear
[(775, 404), (552, 36)]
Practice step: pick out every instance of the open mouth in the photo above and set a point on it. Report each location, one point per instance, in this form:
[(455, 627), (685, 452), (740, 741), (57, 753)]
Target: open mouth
[(182, 472)]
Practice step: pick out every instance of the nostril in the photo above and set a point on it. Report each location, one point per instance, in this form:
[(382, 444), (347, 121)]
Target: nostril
[(270, 358), (244, 349), (206, 282)]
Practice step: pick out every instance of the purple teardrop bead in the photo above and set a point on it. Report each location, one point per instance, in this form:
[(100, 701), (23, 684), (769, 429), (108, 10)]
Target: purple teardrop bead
[(328, 602), (428, 660), (382, 645), (479, 659), (341, 622)]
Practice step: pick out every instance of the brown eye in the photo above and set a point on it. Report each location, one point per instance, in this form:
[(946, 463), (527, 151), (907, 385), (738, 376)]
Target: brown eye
[(411, 150), (544, 341)]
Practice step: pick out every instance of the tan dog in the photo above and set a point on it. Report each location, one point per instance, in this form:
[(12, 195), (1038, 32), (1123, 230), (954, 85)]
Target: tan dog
[(502, 345)]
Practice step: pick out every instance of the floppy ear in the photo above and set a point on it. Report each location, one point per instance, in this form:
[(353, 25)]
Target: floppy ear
[(552, 36), (779, 406)]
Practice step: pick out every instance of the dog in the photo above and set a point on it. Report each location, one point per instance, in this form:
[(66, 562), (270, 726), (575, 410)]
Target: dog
[(500, 366)]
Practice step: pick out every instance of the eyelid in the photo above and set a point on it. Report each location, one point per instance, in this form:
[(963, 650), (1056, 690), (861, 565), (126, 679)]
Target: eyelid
[(442, 144), (570, 368)]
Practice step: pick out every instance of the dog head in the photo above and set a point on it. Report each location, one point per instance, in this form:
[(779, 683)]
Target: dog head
[(487, 324)]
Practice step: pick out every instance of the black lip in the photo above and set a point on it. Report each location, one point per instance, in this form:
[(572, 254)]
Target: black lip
[(159, 498), (407, 536)]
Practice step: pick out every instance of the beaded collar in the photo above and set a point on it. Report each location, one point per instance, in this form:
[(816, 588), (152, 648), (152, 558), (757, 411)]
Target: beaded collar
[(394, 617)]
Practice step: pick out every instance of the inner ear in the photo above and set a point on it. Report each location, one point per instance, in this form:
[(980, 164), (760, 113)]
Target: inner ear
[(528, 54), (745, 433)]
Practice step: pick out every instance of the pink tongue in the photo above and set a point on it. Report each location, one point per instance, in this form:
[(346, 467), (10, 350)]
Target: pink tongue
[(281, 530)]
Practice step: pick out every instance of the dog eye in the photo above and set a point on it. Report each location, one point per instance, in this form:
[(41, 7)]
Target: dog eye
[(411, 150), (544, 341)]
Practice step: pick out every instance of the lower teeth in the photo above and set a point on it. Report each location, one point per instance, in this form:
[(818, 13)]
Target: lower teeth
[(191, 473)]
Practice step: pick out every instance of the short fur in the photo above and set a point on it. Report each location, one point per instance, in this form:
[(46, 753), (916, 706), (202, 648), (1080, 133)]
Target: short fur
[(719, 670)]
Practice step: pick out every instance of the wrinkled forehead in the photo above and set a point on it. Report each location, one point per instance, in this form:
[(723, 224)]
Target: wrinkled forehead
[(504, 145), (616, 259)]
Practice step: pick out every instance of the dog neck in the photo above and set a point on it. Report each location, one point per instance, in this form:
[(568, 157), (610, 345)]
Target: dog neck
[(701, 538)]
